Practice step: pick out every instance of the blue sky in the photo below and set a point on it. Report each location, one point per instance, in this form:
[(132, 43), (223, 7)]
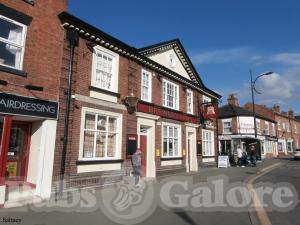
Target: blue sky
[(224, 38)]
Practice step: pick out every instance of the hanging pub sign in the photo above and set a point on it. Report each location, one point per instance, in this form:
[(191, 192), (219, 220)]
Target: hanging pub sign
[(25, 106), (210, 111)]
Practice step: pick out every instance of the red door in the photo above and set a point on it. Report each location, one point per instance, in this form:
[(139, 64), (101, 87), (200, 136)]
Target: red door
[(18, 152), (143, 147)]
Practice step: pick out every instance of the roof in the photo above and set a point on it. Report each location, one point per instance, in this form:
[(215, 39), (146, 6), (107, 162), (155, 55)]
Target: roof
[(228, 111), (181, 53), (99, 37)]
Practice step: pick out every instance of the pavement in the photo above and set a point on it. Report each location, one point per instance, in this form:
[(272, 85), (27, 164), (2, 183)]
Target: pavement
[(95, 206)]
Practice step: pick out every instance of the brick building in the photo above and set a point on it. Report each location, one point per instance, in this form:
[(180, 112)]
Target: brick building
[(236, 128), (104, 131), (288, 126), (31, 40)]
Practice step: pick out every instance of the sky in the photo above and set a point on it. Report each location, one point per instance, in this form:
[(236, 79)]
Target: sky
[(223, 38)]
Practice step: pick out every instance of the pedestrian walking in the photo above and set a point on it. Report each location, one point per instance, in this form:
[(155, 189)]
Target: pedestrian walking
[(136, 164), (253, 155), (244, 158), (239, 155)]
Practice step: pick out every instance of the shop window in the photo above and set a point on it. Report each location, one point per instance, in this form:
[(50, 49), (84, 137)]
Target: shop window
[(146, 86), (171, 137), (280, 147), (189, 101), (101, 136), (105, 69), (12, 43), (170, 95), (208, 143)]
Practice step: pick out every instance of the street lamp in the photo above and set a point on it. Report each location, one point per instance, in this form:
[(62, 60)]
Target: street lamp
[(252, 91)]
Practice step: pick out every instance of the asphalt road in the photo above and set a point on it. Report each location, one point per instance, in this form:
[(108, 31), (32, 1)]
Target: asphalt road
[(160, 213)]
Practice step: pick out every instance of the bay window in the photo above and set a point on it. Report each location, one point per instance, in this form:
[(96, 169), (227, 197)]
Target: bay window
[(189, 101), (146, 86), (100, 135), (171, 141), (208, 143), (12, 43), (170, 95)]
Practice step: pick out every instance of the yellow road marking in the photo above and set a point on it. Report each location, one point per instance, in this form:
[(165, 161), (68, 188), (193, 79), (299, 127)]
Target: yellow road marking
[(261, 212)]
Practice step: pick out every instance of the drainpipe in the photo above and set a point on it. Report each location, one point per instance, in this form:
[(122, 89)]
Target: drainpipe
[(72, 37)]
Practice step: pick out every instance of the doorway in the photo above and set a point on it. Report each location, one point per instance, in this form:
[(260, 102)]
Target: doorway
[(143, 148)]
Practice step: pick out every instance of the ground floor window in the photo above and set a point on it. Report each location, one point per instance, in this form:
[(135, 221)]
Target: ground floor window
[(171, 139), (280, 147), (269, 146), (101, 134), (289, 146), (208, 143)]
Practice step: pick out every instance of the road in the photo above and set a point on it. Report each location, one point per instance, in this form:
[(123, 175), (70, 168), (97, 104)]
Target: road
[(159, 212)]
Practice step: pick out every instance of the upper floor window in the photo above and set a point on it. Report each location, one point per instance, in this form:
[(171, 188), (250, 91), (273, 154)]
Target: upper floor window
[(287, 127), (267, 129), (189, 101), (170, 95), (105, 73), (273, 130), (283, 126), (12, 43), (279, 126), (227, 127), (295, 128), (146, 86)]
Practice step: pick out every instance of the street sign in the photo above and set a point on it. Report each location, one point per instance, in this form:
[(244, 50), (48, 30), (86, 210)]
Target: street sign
[(223, 161)]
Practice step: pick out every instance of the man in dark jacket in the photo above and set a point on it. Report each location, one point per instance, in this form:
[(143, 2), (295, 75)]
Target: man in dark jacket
[(253, 155), (136, 164)]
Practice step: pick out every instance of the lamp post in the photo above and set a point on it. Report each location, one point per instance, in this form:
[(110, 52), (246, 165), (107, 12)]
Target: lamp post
[(253, 89), (253, 103)]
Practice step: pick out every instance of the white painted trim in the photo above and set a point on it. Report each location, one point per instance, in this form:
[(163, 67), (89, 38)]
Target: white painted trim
[(150, 85), (191, 154), (98, 167), (178, 100), (179, 139), (119, 131), (192, 125), (192, 101), (115, 69), (147, 116), (213, 142), (106, 97), (171, 162)]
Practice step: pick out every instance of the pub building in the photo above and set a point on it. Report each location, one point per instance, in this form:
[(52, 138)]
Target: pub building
[(124, 98), (30, 58)]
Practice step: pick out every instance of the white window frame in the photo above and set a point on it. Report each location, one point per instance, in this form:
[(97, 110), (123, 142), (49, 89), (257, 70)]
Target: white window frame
[(22, 46), (206, 143), (115, 68), (176, 98), (206, 99), (267, 128), (119, 118), (273, 130), (223, 124), (190, 110), (179, 140), (149, 85), (258, 126)]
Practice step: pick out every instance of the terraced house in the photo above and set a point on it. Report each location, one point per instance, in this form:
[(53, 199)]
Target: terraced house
[(106, 125)]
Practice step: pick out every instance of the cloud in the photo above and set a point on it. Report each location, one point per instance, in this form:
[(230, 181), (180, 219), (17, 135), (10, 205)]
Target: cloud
[(238, 54), (286, 58)]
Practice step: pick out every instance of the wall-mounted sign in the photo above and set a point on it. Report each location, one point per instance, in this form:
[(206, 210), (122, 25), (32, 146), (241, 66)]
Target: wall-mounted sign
[(131, 144), (162, 112), (157, 151), (210, 111), (25, 106)]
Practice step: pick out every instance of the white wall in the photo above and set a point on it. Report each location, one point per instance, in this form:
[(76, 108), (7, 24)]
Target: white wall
[(245, 125), (163, 59), (46, 159), (35, 145)]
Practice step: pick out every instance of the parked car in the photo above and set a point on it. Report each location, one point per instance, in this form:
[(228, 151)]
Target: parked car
[(297, 153)]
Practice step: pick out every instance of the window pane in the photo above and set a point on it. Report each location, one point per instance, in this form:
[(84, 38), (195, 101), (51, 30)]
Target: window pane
[(101, 124), (171, 147), (175, 147), (112, 124), (111, 145), (11, 31), (10, 55), (88, 144), (165, 131), (165, 147), (100, 144), (89, 121)]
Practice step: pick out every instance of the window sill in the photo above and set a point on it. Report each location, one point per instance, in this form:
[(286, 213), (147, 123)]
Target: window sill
[(100, 90), (13, 71), (171, 158), (92, 162), (209, 156)]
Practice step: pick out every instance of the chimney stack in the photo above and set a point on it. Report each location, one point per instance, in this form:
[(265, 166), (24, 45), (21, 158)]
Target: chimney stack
[(276, 108), (291, 113), (233, 100)]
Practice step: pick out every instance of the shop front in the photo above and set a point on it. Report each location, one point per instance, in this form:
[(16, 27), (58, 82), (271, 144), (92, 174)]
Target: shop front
[(27, 131)]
